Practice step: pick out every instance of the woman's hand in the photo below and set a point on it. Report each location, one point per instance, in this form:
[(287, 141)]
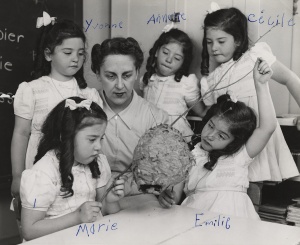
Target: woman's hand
[(89, 211), (166, 198), (262, 72), (117, 192)]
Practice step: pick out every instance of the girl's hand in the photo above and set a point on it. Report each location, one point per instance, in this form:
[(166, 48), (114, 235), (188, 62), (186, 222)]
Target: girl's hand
[(262, 73), (15, 187), (117, 192), (166, 198), (89, 211)]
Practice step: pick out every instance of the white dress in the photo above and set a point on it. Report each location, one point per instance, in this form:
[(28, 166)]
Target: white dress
[(34, 100), (172, 97), (223, 190), (275, 162), (40, 186)]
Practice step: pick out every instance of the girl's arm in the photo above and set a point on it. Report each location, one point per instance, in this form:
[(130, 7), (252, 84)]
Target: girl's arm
[(285, 76), (35, 225), (111, 203), (19, 145), (199, 108), (267, 117), (170, 197)]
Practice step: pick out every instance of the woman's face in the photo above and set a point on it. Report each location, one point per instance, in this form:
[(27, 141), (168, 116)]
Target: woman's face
[(118, 75)]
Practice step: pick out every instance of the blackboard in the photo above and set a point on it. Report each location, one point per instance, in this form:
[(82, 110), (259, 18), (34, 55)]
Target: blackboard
[(18, 35)]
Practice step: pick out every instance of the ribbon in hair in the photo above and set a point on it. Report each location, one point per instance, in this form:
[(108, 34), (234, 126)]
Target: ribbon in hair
[(172, 25), (45, 20), (73, 106), (232, 96), (213, 7)]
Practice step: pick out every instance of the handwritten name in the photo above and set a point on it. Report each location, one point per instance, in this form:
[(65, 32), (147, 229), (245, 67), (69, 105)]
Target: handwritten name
[(91, 229), (164, 18), (99, 26), (220, 221), (279, 20)]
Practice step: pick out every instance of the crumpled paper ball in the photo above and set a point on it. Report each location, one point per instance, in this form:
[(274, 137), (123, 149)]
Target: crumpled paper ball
[(161, 159)]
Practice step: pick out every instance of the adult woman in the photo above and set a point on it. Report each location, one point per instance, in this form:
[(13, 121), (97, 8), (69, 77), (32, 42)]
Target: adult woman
[(116, 62)]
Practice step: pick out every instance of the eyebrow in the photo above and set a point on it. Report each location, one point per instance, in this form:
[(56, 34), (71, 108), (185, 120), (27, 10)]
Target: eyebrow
[(220, 130)]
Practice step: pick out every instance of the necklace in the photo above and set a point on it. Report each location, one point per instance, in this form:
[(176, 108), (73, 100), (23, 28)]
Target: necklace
[(73, 88)]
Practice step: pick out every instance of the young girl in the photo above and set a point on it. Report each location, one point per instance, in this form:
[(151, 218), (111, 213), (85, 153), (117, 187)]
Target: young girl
[(226, 42), (167, 83), (69, 173), (229, 142), (58, 74)]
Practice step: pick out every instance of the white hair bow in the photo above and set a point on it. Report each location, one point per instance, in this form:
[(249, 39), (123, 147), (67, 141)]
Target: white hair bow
[(168, 27), (45, 20), (213, 7), (232, 96), (73, 106)]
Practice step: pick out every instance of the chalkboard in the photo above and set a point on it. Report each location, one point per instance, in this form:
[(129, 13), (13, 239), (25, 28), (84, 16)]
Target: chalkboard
[(18, 35)]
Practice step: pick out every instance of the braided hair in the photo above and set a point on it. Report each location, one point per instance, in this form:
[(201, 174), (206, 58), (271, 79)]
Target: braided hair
[(177, 36)]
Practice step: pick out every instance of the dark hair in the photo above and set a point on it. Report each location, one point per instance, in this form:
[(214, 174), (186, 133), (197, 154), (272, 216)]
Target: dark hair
[(114, 46), (231, 21), (242, 121), (175, 36), (52, 36), (59, 130)]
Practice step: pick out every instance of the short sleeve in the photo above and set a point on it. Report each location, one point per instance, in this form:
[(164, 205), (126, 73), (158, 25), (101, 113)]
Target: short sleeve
[(191, 88), (264, 51), (24, 101), (243, 157), (104, 169), (207, 99), (37, 190)]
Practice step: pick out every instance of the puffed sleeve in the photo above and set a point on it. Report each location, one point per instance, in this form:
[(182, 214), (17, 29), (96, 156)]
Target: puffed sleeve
[(95, 96), (264, 51), (242, 157), (191, 88), (24, 101), (104, 169), (207, 99), (37, 190)]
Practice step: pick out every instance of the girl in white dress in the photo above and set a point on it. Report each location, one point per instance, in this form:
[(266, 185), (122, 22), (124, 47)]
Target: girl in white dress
[(59, 75), (230, 140), (226, 44), (70, 176), (167, 83)]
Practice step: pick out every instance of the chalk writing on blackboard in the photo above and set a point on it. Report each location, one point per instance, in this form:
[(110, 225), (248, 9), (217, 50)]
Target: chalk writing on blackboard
[(219, 221), (91, 229), (278, 20), (9, 98)]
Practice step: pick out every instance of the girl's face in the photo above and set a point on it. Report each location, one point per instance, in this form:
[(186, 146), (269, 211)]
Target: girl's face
[(66, 59), (118, 75), (220, 44), (169, 59), (215, 134), (87, 143)]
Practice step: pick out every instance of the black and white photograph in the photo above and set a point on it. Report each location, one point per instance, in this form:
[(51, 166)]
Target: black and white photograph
[(160, 122)]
